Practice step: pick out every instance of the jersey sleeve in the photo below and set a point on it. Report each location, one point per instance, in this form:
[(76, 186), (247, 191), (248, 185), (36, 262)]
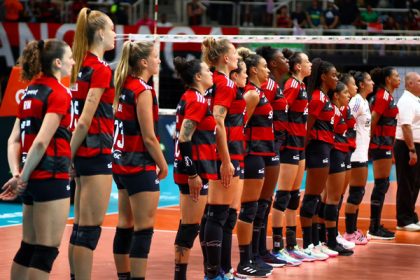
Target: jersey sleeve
[(101, 77), (355, 105), (224, 96), (406, 112), (315, 107), (195, 110), (58, 102), (381, 103)]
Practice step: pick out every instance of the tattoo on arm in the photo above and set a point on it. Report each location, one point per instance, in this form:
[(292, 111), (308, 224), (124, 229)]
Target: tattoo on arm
[(189, 127), (221, 113), (91, 98)]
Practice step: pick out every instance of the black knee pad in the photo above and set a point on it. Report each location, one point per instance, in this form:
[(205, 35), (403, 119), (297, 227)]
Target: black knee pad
[(356, 195), (248, 211), (122, 240), (380, 189), (218, 214), (309, 205), (331, 212), (43, 257), (231, 220), (294, 200), (140, 244), (261, 210), (321, 210), (186, 235), (73, 235), (281, 200), (88, 236), (24, 254)]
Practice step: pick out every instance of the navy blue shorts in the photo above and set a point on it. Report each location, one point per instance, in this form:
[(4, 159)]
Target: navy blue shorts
[(145, 181), (338, 161), (290, 156), (377, 154), (318, 154), (358, 164), (236, 165), (185, 189), (89, 166), (348, 160), (272, 161), (254, 167), (45, 190)]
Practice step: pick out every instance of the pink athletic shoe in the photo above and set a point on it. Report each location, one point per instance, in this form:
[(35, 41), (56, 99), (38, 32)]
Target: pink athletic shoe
[(361, 239)]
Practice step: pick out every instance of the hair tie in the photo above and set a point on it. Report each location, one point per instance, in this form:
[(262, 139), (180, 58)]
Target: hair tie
[(88, 11), (41, 45)]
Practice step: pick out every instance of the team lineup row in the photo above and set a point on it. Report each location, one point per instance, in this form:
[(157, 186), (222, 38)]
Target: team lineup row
[(239, 134)]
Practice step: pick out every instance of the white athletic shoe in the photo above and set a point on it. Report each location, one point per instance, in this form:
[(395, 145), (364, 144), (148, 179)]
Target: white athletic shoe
[(346, 244), (410, 227), (314, 252), (324, 249)]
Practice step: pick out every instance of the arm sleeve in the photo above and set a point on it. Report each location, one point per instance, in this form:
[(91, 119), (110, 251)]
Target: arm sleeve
[(224, 96), (58, 102), (101, 77), (380, 104), (195, 110), (315, 107), (406, 113)]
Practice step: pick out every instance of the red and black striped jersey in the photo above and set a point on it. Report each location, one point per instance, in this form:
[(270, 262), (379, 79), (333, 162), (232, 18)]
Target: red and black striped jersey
[(278, 101), (322, 110), (193, 106), (351, 124), (129, 152), (225, 93), (46, 95), (259, 131), (340, 128), (95, 73), (384, 105), (297, 100)]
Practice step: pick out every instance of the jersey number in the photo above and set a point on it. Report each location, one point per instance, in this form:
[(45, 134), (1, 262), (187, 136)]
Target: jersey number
[(119, 130)]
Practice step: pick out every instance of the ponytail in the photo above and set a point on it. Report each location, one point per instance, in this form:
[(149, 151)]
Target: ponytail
[(213, 49), (319, 67), (88, 22), (132, 53), (38, 56)]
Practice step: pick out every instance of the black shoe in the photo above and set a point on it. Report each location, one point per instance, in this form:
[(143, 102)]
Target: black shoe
[(259, 262), (270, 259), (251, 270), (380, 233), (341, 250)]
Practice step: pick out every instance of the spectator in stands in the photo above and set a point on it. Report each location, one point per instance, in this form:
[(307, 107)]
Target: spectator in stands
[(314, 15), (349, 16), (412, 21), (146, 21), (118, 13), (13, 10), (163, 22), (369, 16), (76, 6), (299, 16), (330, 16), (49, 12), (283, 18), (390, 23), (195, 11)]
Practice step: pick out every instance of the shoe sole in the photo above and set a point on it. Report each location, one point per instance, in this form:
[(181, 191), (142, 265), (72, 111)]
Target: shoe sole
[(374, 237), (276, 265), (409, 230)]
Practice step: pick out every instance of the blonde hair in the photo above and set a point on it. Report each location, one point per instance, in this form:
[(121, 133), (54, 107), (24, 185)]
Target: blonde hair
[(88, 22), (132, 52), (212, 49)]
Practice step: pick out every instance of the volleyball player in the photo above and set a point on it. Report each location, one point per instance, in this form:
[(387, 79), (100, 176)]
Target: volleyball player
[(260, 149), (320, 138), (39, 157), (278, 66), (91, 143), (338, 165), (137, 154), (359, 107), (383, 128), (195, 155), (228, 110), (292, 158)]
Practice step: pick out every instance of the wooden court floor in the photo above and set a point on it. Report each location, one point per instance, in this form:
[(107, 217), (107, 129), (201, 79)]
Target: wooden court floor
[(398, 259)]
